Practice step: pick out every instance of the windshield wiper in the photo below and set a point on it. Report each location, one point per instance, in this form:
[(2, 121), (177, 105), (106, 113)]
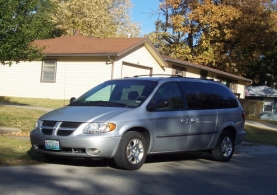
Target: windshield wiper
[(109, 103)]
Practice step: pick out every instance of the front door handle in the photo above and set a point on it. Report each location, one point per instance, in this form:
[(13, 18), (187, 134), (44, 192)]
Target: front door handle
[(184, 120)]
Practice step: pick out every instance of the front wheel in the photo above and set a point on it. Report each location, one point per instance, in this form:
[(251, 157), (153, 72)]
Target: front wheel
[(224, 148), (131, 152)]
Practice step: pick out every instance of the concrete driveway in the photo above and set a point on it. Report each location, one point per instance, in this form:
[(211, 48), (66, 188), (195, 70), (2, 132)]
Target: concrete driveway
[(245, 174), (261, 124)]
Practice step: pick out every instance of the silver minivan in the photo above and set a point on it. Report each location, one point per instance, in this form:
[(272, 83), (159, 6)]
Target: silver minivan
[(130, 118)]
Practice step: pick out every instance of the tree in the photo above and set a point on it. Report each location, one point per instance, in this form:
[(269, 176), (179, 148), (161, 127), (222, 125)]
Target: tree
[(97, 18), (224, 34), (21, 22)]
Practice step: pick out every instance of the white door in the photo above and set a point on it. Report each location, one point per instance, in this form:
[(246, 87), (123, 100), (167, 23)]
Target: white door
[(133, 70)]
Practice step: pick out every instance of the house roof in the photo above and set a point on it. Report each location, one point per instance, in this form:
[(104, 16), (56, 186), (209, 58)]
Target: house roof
[(79, 45), (198, 66), (82, 45), (260, 91)]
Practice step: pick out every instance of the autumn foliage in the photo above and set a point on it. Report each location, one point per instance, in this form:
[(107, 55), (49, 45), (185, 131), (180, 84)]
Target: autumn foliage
[(97, 18), (230, 35)]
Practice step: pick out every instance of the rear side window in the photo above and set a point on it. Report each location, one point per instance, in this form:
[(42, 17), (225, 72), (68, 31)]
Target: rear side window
[(198, 95), (223, 97)]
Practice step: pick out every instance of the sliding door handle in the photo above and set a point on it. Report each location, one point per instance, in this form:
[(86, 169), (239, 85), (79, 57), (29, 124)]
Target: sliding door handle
[(184, 120)]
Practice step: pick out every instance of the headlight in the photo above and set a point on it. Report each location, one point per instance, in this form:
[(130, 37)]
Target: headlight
[(95, 128), (38, 125)]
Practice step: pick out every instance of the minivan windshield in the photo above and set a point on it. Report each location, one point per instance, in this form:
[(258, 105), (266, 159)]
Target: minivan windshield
[(117, 93)]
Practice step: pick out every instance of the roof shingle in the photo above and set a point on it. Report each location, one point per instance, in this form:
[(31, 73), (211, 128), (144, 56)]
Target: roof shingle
[(88, 45)]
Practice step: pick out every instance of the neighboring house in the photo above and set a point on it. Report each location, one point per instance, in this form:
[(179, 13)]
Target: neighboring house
[(74, 64), (266, 94)]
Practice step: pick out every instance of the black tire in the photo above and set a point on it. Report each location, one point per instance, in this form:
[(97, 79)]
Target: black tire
[(131, 152), (224, 148)]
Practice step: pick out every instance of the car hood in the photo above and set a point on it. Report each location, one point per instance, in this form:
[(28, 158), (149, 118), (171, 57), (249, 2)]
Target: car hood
[(83, 113)]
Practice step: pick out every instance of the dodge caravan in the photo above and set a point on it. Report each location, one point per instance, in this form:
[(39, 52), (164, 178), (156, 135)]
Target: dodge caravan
[(127, 119)]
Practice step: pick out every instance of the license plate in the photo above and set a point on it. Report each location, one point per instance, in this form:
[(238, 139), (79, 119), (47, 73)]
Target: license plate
[(52, 145)]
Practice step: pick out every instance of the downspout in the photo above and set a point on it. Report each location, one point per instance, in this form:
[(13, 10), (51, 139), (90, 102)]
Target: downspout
[(112, 73), (64, 87)]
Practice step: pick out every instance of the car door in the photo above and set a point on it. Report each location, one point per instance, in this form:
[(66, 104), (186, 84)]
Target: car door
[(203, 115), (171, 123)]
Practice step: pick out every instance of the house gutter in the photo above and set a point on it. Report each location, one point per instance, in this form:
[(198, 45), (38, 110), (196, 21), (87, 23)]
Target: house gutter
[(79, 55), (208, 69)]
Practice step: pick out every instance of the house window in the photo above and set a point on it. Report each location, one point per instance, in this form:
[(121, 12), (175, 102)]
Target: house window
[(48, 71), (177, 70), (268, 104)]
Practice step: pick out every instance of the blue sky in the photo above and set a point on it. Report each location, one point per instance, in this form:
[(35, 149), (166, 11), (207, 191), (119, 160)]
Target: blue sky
[(145, 12)]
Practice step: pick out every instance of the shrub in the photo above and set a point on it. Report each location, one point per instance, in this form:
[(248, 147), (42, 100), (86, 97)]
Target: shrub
[(252, 108)]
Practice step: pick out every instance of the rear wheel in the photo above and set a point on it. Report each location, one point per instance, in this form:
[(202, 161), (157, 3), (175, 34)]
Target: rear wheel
[(131, 152), (224, 148)]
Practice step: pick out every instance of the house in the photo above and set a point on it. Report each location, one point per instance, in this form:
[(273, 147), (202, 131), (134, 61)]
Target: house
[(74, 64), (266, 94)]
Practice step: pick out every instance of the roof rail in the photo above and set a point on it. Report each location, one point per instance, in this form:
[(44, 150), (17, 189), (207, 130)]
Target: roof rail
[(165, 75), (169, 76)]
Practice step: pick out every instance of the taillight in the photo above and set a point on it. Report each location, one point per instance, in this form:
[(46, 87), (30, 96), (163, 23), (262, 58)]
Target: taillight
[(243, 115)]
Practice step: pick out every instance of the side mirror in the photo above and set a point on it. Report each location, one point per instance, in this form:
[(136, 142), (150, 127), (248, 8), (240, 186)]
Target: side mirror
[(160, 104), (72, 100)]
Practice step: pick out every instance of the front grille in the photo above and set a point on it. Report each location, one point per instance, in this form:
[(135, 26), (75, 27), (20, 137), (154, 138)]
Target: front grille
[(49, 123), (59, 128), (47, 131), (64, 132), (71, 124)]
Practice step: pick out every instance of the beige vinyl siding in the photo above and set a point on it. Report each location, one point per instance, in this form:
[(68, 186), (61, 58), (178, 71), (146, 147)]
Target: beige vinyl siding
[(20, 79), (193, 72), (72, 79), (82, 76)]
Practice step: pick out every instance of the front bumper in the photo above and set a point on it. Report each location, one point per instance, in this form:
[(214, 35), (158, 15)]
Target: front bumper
[(80, 146)]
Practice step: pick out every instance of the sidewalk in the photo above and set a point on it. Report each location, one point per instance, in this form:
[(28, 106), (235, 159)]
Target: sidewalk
[(262, 125), (30, 107)]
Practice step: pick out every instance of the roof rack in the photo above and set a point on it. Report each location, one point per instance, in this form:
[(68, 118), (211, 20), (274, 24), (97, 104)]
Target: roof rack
[(169, 76), (165, 75)]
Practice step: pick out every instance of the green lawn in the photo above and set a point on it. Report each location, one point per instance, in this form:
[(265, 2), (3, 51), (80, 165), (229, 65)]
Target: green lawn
[(40, 102), (22, 118), (15, 151), (259, 135)]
